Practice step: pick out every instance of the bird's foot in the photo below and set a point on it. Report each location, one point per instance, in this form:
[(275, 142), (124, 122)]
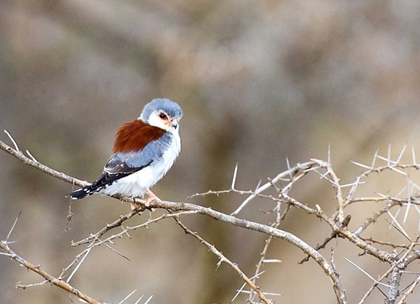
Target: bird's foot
[(151, 197), (136, 206)]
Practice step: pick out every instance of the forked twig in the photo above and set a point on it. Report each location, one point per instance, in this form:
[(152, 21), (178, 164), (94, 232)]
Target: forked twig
[(222, 258), (48, 277)]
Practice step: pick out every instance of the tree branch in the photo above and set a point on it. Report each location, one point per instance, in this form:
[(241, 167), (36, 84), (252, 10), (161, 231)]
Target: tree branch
[(37, 269), (223, 258), (28, 161)]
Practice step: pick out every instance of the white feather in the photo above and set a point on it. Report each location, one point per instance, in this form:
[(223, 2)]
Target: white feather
[(136, 184)]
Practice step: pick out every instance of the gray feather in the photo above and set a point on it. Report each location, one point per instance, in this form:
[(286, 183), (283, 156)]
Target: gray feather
[(171, 108), (128, 162)]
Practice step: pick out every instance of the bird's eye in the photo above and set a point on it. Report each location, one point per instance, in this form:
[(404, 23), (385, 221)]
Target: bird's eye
[(163, 116)]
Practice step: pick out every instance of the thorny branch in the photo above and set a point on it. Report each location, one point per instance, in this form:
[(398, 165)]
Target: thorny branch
[(34, 163), (399, 257), (7, 251), (49, 278), (222, 258)]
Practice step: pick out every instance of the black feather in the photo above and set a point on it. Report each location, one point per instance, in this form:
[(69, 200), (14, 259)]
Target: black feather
[(80, 193), (106, 179), (118, 166)]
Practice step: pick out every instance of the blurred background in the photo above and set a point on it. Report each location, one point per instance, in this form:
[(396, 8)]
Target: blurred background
[(258, 81)]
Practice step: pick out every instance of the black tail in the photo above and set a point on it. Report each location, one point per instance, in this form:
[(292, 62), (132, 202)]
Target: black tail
[(81, 193), (102, 182)]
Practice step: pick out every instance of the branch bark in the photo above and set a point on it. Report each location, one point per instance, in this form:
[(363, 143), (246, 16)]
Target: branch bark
[(286, 236), (37, 269)]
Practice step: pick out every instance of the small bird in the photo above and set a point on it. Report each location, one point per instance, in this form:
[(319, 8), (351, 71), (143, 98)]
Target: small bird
[(144, 150)]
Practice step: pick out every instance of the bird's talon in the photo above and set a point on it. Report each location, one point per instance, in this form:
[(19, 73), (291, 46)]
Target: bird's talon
[(149, 201), (136, 206)]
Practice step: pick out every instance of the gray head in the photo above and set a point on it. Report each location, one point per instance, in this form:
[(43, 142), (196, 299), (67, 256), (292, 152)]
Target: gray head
[(162, 113)]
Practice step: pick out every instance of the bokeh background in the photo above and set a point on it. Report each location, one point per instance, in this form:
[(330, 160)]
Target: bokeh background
[(259, 81)]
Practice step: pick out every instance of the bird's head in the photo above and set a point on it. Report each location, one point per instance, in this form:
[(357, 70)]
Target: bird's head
[(162, 113)]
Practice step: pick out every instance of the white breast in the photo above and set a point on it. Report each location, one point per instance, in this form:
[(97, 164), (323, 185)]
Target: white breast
[(135, 185)]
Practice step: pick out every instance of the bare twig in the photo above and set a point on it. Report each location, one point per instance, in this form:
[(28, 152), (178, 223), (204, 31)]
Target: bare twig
[(265, 249), (337, 222), (22, 286), (37, 269), (223, 258), (26, 160), (291, 172), (409, 290), (119, 222)]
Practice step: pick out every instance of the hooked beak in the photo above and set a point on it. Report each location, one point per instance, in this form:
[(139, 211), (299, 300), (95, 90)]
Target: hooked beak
[(174, 123)]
